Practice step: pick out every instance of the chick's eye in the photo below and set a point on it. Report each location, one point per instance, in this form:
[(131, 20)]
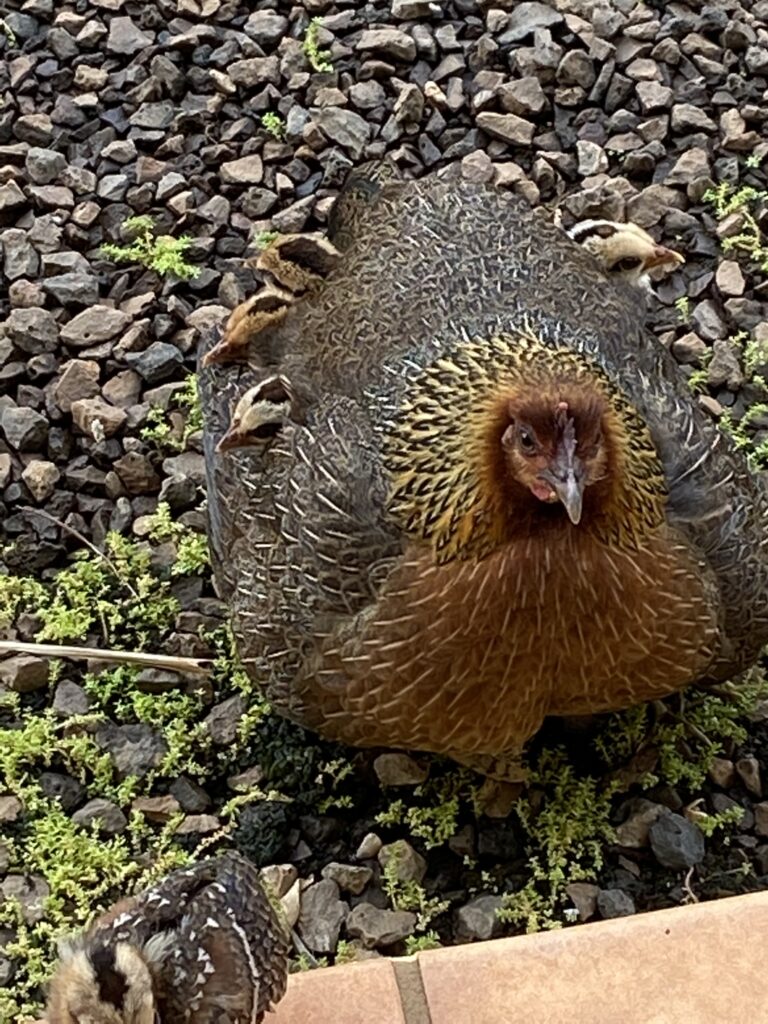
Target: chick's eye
[(628, 263)]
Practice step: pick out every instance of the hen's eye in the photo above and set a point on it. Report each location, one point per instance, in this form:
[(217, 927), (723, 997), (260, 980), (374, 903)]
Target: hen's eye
[(527, 442)]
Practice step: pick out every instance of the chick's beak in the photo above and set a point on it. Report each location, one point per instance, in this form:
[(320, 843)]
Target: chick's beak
[(232, 438), (661, 256)]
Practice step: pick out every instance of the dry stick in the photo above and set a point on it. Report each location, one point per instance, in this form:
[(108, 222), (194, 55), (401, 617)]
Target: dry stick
[(83, 540), (195, 666)]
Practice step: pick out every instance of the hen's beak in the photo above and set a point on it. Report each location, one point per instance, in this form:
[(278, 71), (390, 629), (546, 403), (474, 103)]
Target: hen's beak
[(570, 491), (566, 478), (661, 256)]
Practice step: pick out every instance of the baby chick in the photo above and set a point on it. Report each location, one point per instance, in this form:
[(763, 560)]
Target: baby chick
[(624, 251), (260, 414), (203, 946), (297, 263)]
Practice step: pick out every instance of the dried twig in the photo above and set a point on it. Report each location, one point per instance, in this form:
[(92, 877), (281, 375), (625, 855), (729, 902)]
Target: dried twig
[(170, 662), (83, 540)]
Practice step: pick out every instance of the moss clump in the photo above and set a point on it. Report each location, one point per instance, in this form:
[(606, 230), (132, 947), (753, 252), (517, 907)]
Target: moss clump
[(161, 253), (274, 124), (749, 241), (320, 60), (159, 429), (116, 594), (566, 838)]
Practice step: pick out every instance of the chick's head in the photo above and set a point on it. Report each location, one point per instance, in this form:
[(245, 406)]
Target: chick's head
[(100, 984)]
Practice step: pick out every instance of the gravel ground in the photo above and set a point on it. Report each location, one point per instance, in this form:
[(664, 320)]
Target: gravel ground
[(221, 124)]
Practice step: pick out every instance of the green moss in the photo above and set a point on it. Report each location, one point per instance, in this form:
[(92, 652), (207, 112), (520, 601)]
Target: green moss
[(160, 432), (683, 307), (435, 819), (319, 59), (162, 253), (420, 943), (191, 547), (274, 124), (567, 833), (727, 199)]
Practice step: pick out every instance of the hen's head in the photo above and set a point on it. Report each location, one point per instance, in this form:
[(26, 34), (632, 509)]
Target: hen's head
[(556, 448), (509, 437)]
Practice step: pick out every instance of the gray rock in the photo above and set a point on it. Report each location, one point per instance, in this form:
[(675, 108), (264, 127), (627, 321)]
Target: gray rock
[(478, 919), (690, 166), (583, 895), (633, 832), (11, 809), (30, 891), (25, 429), (707, 322), (377, 928), (390, 41), (97, 418), (725, 366), (576, 68), (689, 349), (41, 477), (137, 473), (179, 492), (615, 903), (507, 127), (257, 71), (248, 170), (158, 362), (676, 842), (525, 18), (409, 105), (748, 770), (73, 289), (109, 818), (344, 127), (78, 378), (592, 158), (190, 794), (134, 749), (223, 720), (153, 115), (729, 278), (266, 28), (686, 117), (11, 199), (321, 917), (349, 877), (112, 187), (369, 847), (653, 96), (126, 38), (396, 769), (524, 96), (70, 699), (20, 259), (57, 786), (44, 165), (407, 10), (32, 330), (408, 865)]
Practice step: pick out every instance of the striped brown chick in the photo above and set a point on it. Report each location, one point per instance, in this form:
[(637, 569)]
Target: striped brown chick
[(294, 265), (624, 251), (204, 946)]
